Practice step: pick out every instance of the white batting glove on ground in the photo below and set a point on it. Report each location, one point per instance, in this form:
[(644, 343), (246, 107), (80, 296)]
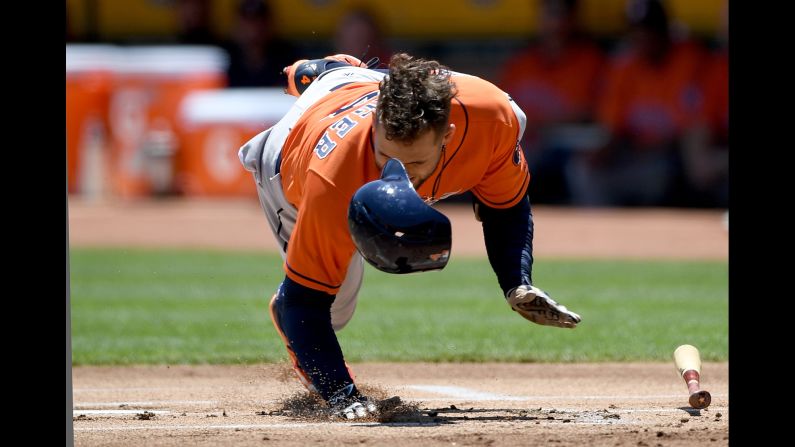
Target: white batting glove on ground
[(535, 305), (347, 403)]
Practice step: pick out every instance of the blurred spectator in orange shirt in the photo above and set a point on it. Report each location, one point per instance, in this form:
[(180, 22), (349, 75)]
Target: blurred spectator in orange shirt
[(358, 34), (554, 81), (707, 150), (650, 101), (258, 55)]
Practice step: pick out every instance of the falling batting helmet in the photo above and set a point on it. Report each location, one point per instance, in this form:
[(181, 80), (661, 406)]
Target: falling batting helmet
[(393, 228)]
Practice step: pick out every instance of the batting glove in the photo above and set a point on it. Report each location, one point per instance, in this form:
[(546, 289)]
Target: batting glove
[(347, 403), (535, 305)]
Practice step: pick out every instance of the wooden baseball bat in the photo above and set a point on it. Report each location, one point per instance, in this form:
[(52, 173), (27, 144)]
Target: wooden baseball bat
[(688, 363)]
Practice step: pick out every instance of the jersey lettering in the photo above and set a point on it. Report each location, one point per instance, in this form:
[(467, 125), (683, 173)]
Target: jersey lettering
[(324, 146), (355, 103), (364, 110), (343, 126)]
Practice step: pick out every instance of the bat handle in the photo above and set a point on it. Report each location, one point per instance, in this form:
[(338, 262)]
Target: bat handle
[(692, 380), (698, 398)]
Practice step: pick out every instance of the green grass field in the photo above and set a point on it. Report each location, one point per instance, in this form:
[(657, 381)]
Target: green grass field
[(171, 306)]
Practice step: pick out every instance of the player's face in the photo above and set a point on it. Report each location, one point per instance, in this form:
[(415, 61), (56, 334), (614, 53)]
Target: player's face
[(419, 157)]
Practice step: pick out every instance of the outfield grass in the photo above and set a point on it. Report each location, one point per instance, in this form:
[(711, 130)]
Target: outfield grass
[(169, 306)]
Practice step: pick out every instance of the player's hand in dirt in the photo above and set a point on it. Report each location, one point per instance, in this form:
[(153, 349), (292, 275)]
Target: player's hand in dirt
[(348, 403), (358, 410), (535, 305)]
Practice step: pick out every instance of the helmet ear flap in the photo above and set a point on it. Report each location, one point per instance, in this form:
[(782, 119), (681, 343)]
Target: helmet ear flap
[(394, 229)]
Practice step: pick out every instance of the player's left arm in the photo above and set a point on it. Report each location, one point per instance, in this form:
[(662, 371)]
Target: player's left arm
[(502, 206), (508, 234)]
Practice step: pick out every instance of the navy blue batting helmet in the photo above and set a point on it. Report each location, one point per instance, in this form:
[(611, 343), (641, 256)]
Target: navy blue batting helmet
[(394, 229)]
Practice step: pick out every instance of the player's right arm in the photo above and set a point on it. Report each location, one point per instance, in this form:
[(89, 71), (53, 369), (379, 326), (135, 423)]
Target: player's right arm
[(305, 319), (316, 265)]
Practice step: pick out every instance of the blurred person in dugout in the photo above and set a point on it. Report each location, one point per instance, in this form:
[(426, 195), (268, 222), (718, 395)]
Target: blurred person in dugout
[(257, 54), (649, 103), (554, 80), (706, 155), (193, 23), (359, 34)]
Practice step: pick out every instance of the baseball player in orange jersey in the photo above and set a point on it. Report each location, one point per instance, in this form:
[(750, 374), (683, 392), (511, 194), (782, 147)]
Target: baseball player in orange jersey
[(452, 132)]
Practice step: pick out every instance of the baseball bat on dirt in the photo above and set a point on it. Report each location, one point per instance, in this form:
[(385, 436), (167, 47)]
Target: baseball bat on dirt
[(688, 363)]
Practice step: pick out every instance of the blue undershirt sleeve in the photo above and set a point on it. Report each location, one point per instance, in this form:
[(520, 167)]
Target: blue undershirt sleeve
[(305, 318), (508, 234)]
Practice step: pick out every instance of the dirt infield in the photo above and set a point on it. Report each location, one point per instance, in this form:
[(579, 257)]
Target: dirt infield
[(559, 232), (608, 404), (492, 404)]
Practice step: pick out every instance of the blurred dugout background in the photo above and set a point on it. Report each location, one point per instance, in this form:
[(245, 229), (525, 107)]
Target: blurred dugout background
[(627, 100)]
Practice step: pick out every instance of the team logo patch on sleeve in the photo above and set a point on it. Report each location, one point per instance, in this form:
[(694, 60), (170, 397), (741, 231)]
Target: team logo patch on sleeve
[(517, 154)]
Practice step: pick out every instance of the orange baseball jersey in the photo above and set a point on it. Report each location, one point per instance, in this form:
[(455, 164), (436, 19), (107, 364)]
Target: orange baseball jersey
[(653, 104), (329, 154), (552, 91), (715, 112)]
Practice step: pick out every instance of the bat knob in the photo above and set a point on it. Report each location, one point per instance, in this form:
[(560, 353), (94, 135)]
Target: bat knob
[(700, 399)]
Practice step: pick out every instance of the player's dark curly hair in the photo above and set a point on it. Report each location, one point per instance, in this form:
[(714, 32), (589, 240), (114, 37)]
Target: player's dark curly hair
[(415, 96)]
